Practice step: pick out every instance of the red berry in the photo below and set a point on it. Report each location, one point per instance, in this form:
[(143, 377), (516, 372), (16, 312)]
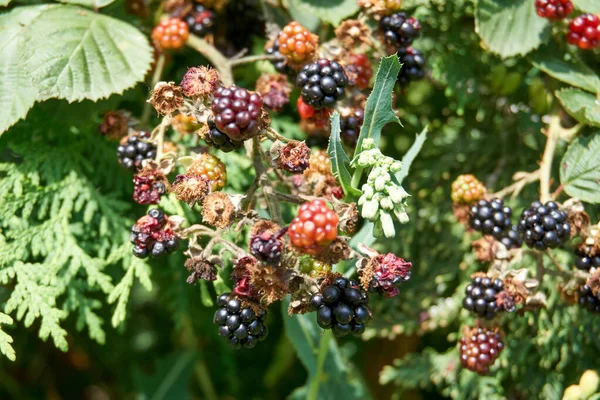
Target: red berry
[(314, 227), (554, 10), (479, 349), (584, 32), (320, 118), (297, 43), (304, 109), (170, 33), (359, 71), (237, 112)]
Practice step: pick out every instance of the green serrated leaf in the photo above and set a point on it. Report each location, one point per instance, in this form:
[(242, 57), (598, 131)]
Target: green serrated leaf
[(588, 6), (331, 11), (95, 4), (582, 106), (339, 158), (410, 156), (307, 19), (76, 54), (580, 169), (574, 72), (510, 27)]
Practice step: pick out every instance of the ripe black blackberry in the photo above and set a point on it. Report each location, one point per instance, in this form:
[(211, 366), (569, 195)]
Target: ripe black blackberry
[(481, 297), (322, 83), (584, 259), (511, 239), (240, 325), (200, 20), (588, 300), (479, 349), (267, 248), (342, 307), (237, 112), (152, 235), (490, 217), (413, 64), (281, 66), (544, 226), (218, 139), (399, 30), (350, 126), (135, 149)]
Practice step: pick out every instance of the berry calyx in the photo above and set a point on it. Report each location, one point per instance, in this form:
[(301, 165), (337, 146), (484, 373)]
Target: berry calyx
[(240, 325), (479, 349), (210, 168), (152, 235), (171, 33), (350, 126), (467, 189), (544, 226), (584, 32), (480, 296), (322, 83), (342, 307), (135, 149), (297, 43), (237, 112), (490, 217), (200, 20), (399, 30), (314, 228), (554, 10)]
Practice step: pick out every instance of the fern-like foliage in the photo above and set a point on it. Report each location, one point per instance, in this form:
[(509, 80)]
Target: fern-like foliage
[(62, 225)]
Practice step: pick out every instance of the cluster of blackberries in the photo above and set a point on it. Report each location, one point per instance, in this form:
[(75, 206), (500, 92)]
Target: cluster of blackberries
[(413, 64), (584, 259), (511, 238), (267, 247), (490, 217), (218, 139), (152, 236), (544, 226), (342, 307), (479, 350), (241, 326), (322, 83), (134, 150), (399, 30), (200, 20), (237, 112), (481, 296), (350, 126), (588, 300)]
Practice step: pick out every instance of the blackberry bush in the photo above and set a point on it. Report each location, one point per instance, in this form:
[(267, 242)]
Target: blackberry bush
[(219, 140), (240, 325), (413, 64), (297, 44), (584, 32), (134, 149), (586, 258), (490, 217), (314, 228), (171, 33), (467, 189), (322, 83), (350, 125), (588, 300), (544, 226), (511, 238)]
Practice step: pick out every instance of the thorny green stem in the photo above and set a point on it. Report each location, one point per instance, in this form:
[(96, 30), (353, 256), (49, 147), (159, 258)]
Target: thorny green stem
[(292, 198), (158, 70), (313, 390), (274, 135), (250, 59), (216, 58), (553, 132)]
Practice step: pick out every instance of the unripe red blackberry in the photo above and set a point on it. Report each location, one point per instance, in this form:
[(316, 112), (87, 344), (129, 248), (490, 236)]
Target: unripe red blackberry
[(171, 33), (217, 139), (554, 10), (479, 349), (480, 296), (584, 259), (211, 168), (350, 126), (297, 43), (201, 20), (240, 325), (314, 228), (588, 300), (584, 32), (237, 112), (544, 226), (467, 189), (135, 149), (359, 71), (342, 307), (490, 217), (152, 235), (413, 64), (322, 83), (399, 30)]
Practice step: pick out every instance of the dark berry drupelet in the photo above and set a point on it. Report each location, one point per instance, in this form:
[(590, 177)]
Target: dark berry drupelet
[(480, 296), (511, 238), (240, 325), (322, 83), (479, 349), (134, 150), (237, 112), (217, 139), (281, 66), (584, 259), (490, 217), (152, 235), (399, 30), (544, 226), (588, 300), (413, 63), (267, 248), (350, 126), (342, 307), (200, 20)]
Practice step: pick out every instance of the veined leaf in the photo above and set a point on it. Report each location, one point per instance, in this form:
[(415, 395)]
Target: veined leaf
[(332, 11), (588, 6), (339, 159), (410, 156), (510, 27), (95, 4), (580, 169), (582, 106)]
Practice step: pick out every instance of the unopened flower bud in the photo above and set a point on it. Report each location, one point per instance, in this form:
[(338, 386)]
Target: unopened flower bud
[(387, 223)]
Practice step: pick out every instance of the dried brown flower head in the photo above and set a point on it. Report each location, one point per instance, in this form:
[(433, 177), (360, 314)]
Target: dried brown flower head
[(264, 226), (218, 210), (200, 82), (291, 157), (269, 283), (337, 251), (190, 189), (354, 35), (579, 221), (275, 90), (348, 213), (114, 125), (485, 249), (200, 269), (461, 212), (301, 288), (166, 98)]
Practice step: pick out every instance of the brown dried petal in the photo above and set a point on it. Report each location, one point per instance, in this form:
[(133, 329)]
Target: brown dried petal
[(337, 251), (166, 98), (114, 125), (354, 35), (269, 283), (190, 189), (485, 248), (218, 210), (293, 157), (200, 269), (200, 82), (264, 226)]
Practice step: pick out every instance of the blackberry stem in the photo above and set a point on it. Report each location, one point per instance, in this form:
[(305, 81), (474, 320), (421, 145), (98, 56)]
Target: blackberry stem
[(274, 135), (546, 164), (216, 58), (313, 390), (517, 187), (250, 59)]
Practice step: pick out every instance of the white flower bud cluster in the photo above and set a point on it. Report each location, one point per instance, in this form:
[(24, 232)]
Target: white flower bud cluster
[(382, 198)]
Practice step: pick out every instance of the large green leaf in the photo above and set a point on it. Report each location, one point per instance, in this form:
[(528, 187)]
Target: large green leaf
[(17, 95), (580, 169), (95, 4), (552, 61), (330, 376), (588, 6), (410, 156), (77, 54), (510, 27), (339, 159), (332, 11), (582, 106)]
